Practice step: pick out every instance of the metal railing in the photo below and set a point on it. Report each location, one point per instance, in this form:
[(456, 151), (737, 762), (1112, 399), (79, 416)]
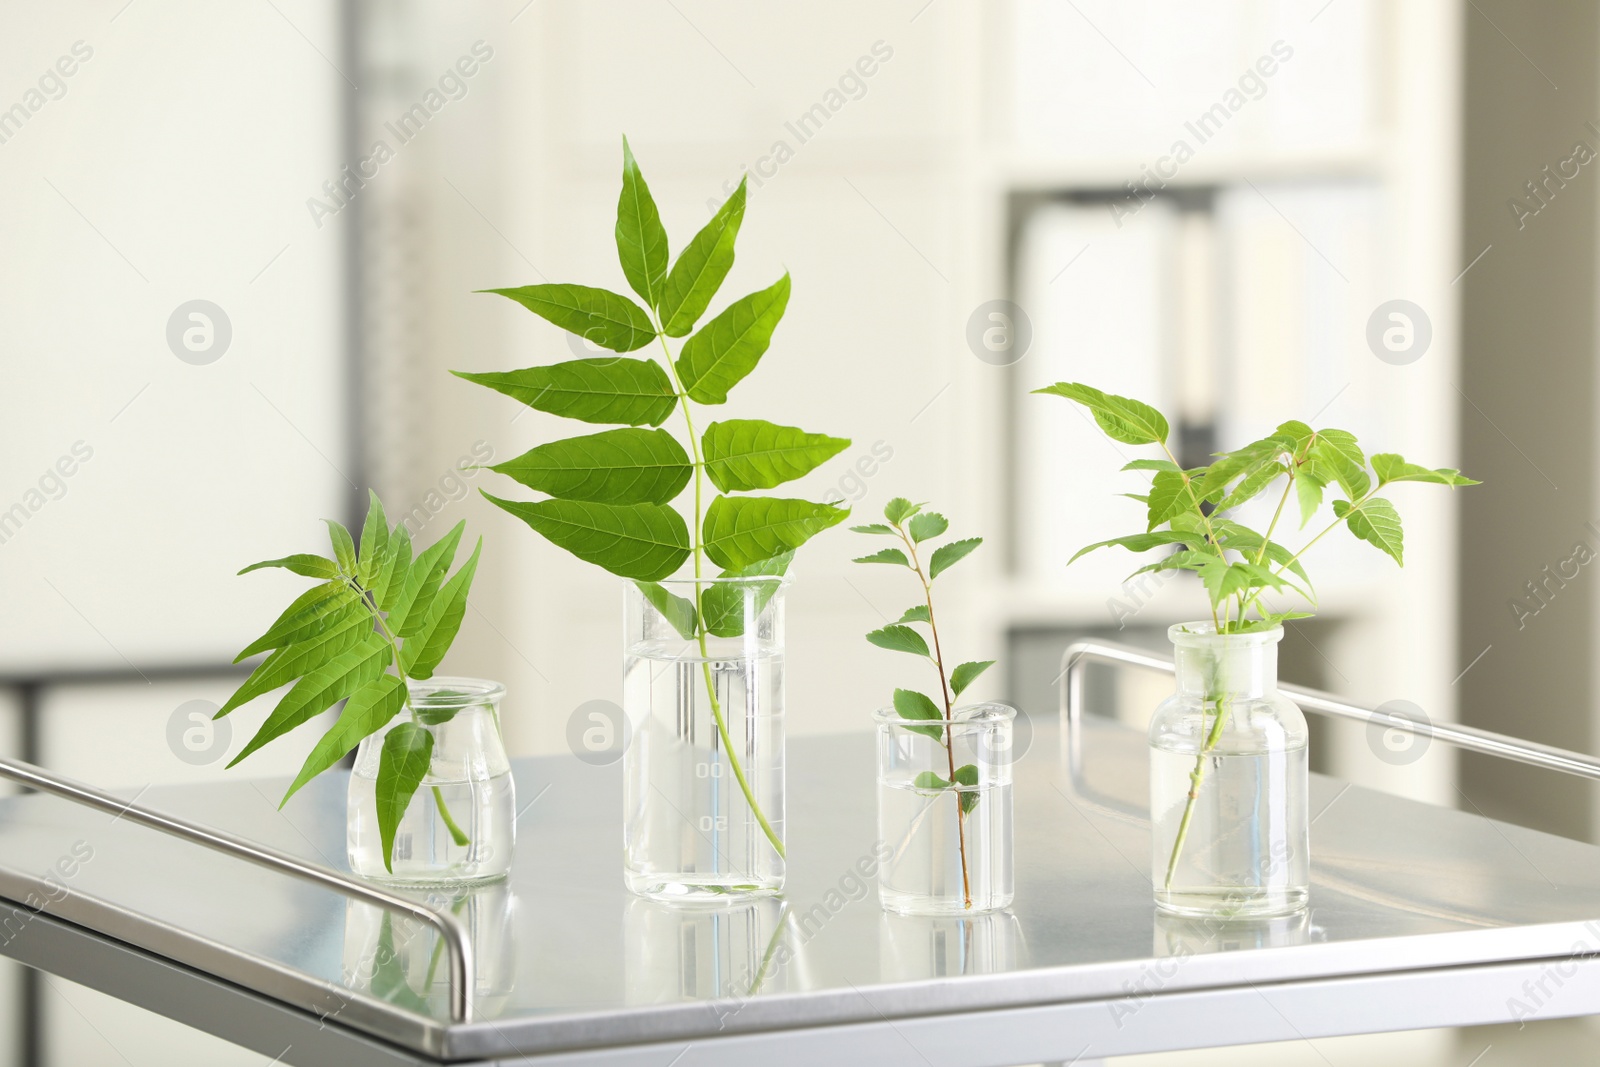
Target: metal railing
[(451, 931), (1080, 654)]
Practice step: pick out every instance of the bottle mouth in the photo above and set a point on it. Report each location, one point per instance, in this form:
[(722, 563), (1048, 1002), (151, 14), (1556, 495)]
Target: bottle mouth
[(777, 580), (446, 692), (985, 714), (1204, 635)]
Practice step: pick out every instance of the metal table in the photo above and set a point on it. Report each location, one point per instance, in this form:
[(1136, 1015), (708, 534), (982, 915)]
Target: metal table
[(1420, 917)]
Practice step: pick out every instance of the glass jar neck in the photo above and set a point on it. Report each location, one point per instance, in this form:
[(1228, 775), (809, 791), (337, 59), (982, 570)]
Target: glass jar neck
[(1211, 667)]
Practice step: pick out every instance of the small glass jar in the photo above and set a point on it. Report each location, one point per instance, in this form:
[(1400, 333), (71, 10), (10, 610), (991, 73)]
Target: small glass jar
[(702, 689), (944, 811), (460, 827), (1230, 834)]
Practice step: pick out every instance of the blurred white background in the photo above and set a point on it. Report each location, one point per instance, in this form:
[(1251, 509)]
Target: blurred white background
[(1335, 155)]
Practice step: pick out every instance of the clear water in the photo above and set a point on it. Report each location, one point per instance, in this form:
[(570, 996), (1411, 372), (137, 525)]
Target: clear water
[(923, 875), (689, 832), (425, 852), (1247, 852)]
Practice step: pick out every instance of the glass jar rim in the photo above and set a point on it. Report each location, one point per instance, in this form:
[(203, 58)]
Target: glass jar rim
[(1204, 635), (985, 713), (779, 580), (443, 691)]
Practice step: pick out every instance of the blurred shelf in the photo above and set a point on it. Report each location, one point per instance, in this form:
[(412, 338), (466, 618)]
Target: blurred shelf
[(1032, 171)]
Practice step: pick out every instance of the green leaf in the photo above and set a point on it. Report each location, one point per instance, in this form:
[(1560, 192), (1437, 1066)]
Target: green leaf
[(645, 542), (1308, 486), (641, 239), (315, 610), (1245, 540), (1391, 467), (745, 454), (1241, 463), (966, 777), (1122, 418), (1178, 561), (415, 600), (1223, 579), (344, 549), (701, 267), (929, 781), (885, 555), (897, 638), (1150, 465), (946, 555), (724, 605), (1170, 493), (967, 673), (679, 611), (403, 763), (900, 509), (368, 710), (321, 689), (597, 315), (1250, 486), (741, 530), (910, 704), (916, 613), (302, 563), (875, 528), (391, 578), (1299, 435), (627, 466), (605, 390), (1376, 522), (291, 661), (1141, 542), (728, 347), (928, 524), (374, 541), (427, 646), (1337, 449), (1269, 621)]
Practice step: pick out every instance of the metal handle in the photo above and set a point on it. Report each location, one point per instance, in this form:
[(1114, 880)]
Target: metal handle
[(1080, 653), (453, 933)]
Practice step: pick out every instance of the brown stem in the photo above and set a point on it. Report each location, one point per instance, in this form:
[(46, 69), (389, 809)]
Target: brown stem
[(949, 715)]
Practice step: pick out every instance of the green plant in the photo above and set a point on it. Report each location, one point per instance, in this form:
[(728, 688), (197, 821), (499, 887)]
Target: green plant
[(914, 527), (378, 618), (1186, 516), (610, 493)]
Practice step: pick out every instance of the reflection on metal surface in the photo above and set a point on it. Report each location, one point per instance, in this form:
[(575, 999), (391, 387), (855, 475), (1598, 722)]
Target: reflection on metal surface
[(397, 958), (915, 947), (1178, 935), (682, 952)]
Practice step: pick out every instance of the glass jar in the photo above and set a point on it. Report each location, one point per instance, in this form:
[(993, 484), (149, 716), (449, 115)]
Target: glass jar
[(1228, 776), (460, 827), (704, 764), (944, 811)]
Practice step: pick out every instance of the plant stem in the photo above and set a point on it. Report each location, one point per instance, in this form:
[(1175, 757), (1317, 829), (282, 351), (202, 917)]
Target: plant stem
[(1211, 534), (458, 835), (1196, 776), (949, 714), (698, 550)]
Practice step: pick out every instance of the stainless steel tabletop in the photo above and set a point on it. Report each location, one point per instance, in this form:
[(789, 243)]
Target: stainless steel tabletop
[(1408, 901)]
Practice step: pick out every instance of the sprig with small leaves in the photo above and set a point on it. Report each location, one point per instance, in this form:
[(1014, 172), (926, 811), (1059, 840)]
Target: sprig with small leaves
[(610, 494), (1187, 512), (379, 618), (914, 527)]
